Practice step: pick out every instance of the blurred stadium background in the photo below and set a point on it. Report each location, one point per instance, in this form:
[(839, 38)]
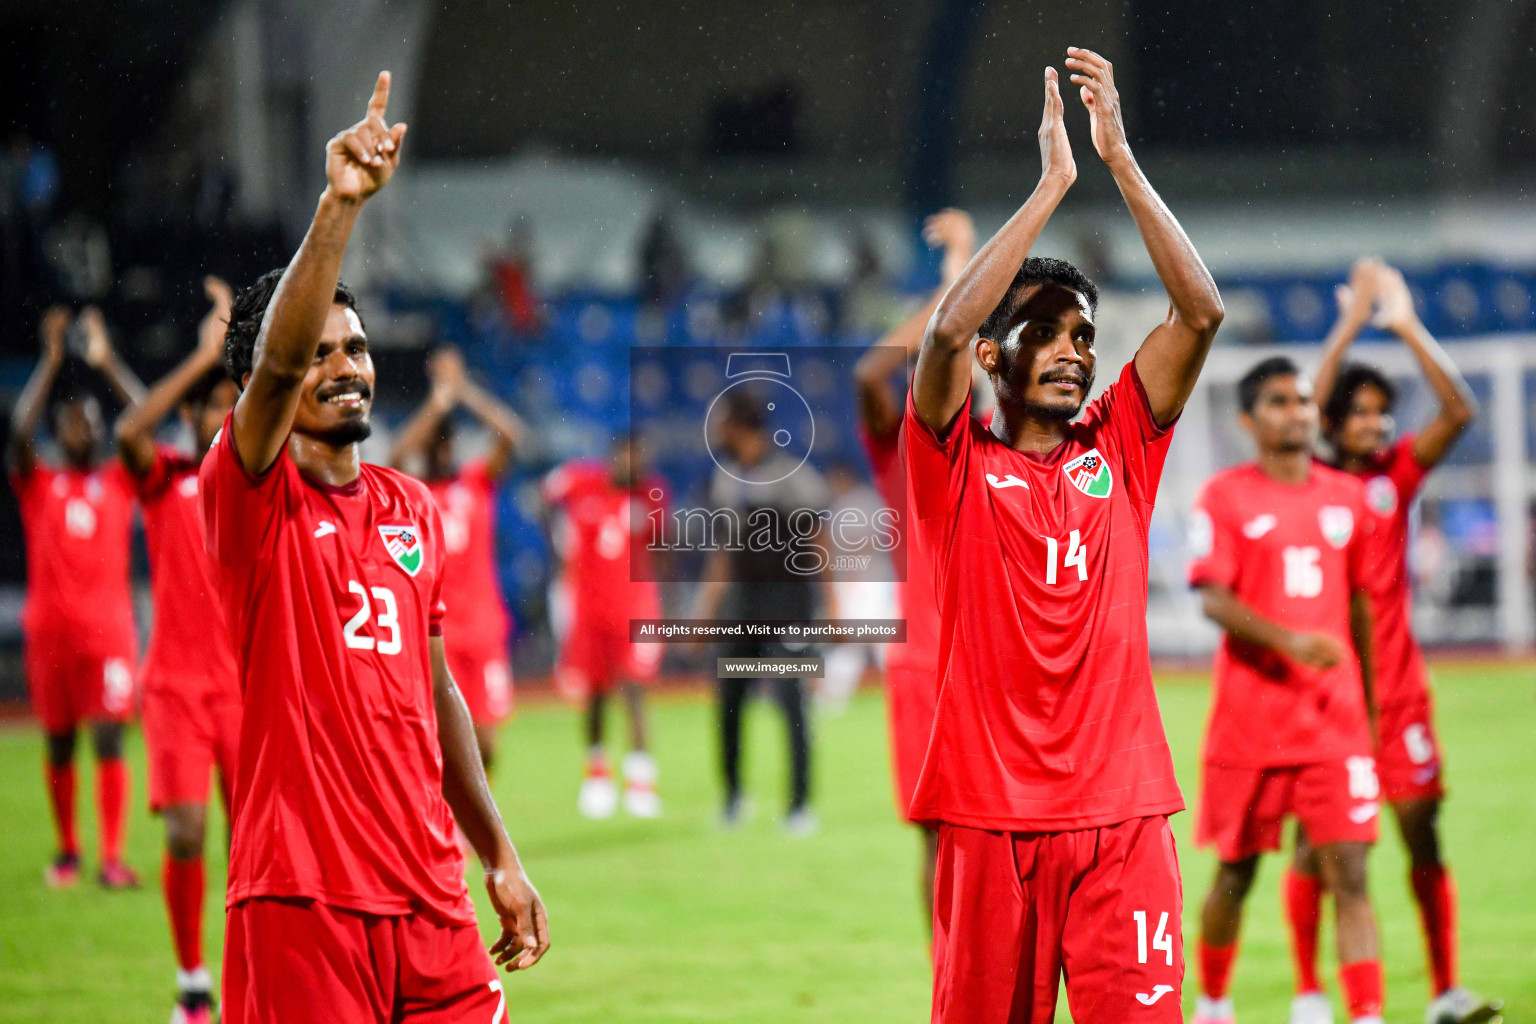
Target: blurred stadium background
[(584, 178)]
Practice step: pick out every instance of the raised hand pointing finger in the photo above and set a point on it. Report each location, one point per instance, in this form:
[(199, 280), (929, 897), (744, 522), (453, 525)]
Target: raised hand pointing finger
[(361, 160), (379, 102)]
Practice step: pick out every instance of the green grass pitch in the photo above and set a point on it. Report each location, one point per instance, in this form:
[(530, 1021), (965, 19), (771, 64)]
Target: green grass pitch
[(673, 920)]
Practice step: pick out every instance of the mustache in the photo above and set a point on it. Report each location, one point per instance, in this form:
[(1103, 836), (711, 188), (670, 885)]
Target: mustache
[(361, 388), (1077, 377)]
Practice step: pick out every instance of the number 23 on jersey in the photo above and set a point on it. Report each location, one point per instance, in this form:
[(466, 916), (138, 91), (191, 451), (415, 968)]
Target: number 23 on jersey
[(376, 624)]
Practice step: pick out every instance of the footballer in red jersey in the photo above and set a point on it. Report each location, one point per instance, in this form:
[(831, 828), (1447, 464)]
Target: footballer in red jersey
[(601, 528), (477, 629), (357, 753), (1048, 774), (911, 668), (1357, 422), (189, 680), (77, 623), (1281, 551)]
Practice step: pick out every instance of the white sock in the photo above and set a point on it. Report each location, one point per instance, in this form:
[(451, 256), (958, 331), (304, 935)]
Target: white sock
[(1216, 1009), (196, 980), (640, 768)]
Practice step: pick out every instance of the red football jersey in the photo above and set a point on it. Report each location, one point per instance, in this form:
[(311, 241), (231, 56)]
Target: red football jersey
[(77, 526), (603, 536), (331, 594), (1047, 720), (1294, 554), (1391, 483), (189, 648), (477, 611)]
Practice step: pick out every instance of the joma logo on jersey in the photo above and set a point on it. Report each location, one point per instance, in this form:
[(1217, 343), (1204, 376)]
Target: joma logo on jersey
[(1090, 474), (404, 545)]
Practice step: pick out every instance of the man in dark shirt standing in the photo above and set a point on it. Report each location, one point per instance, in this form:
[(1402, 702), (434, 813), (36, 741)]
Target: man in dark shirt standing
[(764, 487)]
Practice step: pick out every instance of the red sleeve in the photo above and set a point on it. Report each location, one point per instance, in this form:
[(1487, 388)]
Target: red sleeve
[(28, 485), (157, 480), (936, 466), (1125, 413), (242, 511), (1404, 470), (1212, 542), (880, 449), (436, 609)]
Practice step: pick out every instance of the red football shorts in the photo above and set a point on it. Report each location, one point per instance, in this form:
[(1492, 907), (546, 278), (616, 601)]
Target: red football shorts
[(1408, 760), (1242, 809), (71, 684), (1015, 911), (297, 960), (189, 731), (485, 679), (598, 655), (910, 697)]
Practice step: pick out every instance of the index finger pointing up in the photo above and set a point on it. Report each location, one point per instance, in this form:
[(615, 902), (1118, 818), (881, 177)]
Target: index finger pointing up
[(380, 98)]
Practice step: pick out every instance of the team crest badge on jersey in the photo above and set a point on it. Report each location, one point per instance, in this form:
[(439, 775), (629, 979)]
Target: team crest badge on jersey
[(1090, 474), (404, 545), (1337, 523), (1381, 495)]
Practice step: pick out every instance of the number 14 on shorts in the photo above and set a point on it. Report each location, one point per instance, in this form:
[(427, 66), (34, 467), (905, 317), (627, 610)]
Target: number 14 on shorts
[(1162, 942)]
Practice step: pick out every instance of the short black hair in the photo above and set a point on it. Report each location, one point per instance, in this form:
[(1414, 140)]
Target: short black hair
[(1037, 270), (245, 315), (1268, 369), (744, 410), (1352, 378)]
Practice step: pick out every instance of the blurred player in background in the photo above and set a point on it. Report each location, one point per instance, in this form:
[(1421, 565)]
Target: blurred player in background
[(189, 679), (1282, 552), (912, 668), (477, 627), (357, 754), (600, 531), (760, 483), (1357, 422), (78, 621), (1048, 773)]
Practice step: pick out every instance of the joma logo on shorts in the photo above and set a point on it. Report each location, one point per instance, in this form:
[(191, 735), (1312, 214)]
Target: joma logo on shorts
[(1158, 991)]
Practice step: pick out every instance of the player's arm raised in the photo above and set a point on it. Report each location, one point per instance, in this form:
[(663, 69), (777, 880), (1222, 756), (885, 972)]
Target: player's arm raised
[(1356, 301), (524, 926), (101, 356), (507, 430), (447, 380), (879, 404), (358, 162), (1457, 406), (942, 383), (20, 450), (135, 428), (1221, 606), (1169, 361)]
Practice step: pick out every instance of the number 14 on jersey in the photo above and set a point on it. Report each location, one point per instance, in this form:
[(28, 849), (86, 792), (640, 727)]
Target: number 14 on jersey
[(1076, 557)]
